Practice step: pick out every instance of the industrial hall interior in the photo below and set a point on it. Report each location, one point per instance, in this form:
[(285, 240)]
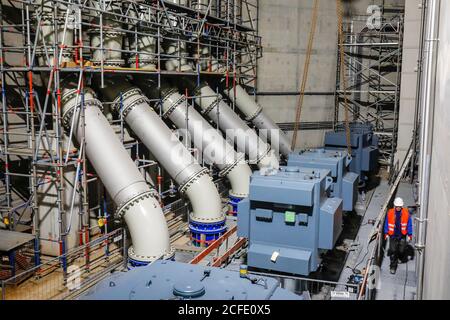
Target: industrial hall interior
[(224, 150)]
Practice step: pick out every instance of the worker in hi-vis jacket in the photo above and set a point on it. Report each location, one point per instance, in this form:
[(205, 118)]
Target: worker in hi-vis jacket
[(398, 228)]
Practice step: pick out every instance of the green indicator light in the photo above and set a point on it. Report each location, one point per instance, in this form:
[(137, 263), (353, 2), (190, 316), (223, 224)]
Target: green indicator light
[(289, 216)]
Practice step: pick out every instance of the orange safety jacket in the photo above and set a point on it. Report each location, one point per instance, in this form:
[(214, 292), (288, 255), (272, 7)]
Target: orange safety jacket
[(404, 221)]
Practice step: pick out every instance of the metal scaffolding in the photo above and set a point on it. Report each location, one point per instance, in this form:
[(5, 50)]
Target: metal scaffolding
[(34, 149), (373, 58)]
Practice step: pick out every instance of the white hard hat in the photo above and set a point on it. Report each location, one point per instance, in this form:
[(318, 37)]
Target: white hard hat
[(398, 202)]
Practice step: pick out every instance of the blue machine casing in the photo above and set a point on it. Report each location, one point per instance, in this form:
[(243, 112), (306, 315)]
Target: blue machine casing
[(289, 215), (345, 184), (170, 280), (364, 146)]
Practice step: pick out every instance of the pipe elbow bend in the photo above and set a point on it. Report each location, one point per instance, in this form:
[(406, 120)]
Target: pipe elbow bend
[(205, 200), (239, 178), (148, 228)]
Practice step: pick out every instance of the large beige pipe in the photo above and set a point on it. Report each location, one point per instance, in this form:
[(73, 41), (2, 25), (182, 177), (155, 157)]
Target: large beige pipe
[(254, 113), (213, 147), (237, 132), (137, 204), (193, 180)]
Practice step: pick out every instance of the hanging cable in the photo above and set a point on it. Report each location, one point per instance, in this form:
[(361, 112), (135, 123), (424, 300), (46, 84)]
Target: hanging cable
[(342, 78), (305, 73)]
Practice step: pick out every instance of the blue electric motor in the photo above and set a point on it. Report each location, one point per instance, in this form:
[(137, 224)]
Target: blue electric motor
[(289, 219), (364, 146), (345, 183)]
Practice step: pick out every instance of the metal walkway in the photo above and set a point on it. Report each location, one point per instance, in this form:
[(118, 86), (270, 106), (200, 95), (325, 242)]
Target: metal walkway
[(359, 249), (402, 284)]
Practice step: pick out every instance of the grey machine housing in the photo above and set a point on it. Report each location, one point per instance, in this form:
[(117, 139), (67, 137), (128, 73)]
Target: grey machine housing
[(364, 145), (345, 183), (171, 280), (289, 219)]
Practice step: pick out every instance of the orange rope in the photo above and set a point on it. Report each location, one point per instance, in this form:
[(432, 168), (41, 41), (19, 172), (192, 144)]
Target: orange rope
[(305, 73), (339, 12)]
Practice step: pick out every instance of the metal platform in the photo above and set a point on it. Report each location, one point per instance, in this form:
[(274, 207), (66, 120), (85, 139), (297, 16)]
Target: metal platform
[(10, 240)]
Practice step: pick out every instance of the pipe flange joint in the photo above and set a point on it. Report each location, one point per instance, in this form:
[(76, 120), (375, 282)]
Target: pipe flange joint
[(107, 32), (41, 52), (255, 114), (142, 61), (197, 90), (137, 260), (125, 206), (236, 195), (48, 15), (72, 95), (211, 107), (137, 98), (194, 218), (203, 234), (175, 104), (231, 166), (166, 92), (109, 62), (264, 154), (125, 95), (185, 185), (233, 201)]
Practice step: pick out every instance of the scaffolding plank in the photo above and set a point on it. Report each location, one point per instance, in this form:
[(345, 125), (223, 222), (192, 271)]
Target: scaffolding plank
[(10, 240)]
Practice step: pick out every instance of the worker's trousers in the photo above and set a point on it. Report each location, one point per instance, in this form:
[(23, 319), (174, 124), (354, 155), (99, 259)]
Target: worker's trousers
[(397, 250)]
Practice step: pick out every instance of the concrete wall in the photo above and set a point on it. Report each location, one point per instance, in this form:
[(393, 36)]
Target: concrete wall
[(408, 88), (437, 250), (284, 27)]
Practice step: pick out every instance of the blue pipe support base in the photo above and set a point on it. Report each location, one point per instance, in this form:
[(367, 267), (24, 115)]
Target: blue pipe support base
[(203, 234), (233, 203), (137, 263)]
